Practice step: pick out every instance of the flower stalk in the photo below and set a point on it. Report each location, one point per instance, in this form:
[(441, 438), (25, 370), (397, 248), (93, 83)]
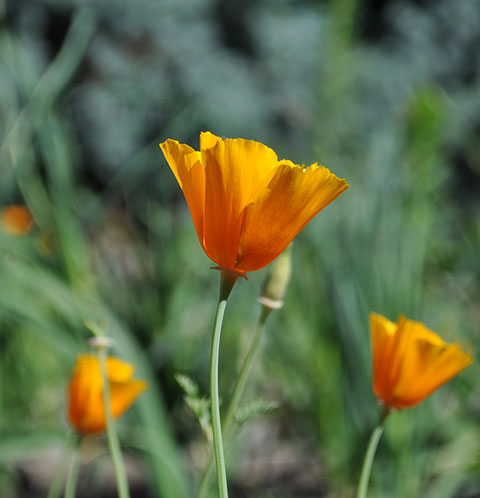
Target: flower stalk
[(228, 423), (227, 282), (271, 299), (370, 454), (113, 441), (244, 373), (58, 478), (72, 476)]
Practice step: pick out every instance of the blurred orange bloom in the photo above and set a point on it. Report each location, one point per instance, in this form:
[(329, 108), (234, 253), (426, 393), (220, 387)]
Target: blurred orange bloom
[(410, 361), (246, 205), (86, 408), (16, 220)]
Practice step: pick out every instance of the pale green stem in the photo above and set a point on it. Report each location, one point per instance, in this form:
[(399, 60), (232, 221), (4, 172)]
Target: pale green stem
[(245, 372), (226, 285), (72, 476), (216, 423), (57, 481), (113, 442), (370, 455), (237, 392)]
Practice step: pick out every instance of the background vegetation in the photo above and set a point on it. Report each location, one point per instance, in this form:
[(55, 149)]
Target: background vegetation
[(385, 93)]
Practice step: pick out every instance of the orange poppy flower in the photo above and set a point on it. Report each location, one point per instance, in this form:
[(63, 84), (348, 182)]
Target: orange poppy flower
[(410, 361), (246, 205), (16, 220), (86, 411)]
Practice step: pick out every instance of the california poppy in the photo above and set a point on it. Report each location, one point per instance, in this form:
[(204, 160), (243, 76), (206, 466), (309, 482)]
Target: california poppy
[(16, 220), (246, 205), (410, 361), (86, 411)]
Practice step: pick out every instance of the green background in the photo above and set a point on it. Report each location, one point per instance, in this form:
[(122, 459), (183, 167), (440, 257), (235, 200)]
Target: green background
[(385, 94)]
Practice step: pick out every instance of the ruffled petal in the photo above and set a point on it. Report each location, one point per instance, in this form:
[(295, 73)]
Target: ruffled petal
[(290, 199), (234, 170), (186, 165)]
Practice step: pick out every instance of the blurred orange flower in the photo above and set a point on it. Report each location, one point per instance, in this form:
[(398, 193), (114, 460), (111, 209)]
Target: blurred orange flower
[(16, 220), (410, 361), (246, 205), (86, 408)]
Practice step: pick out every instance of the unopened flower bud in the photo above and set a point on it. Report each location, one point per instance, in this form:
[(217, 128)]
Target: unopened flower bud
[(276, 283)]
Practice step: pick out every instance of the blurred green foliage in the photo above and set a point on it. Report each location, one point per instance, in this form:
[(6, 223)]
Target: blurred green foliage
[(383, 93)]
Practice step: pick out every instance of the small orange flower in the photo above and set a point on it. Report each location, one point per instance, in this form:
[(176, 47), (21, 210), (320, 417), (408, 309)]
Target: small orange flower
[(246, 205), (86, 411), (16, 220), (410, 361)]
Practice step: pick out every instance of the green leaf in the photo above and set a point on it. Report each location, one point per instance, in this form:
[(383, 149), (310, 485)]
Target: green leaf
[(200, 406), (254, 409)]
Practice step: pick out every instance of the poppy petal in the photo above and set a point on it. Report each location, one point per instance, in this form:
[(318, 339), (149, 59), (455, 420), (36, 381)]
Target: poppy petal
[(234, 169), (186, 165), (292, 197), (15, 220), (123, 394), (426, 367), (86, 408), (410, 361), (382, 332), (118, 370)]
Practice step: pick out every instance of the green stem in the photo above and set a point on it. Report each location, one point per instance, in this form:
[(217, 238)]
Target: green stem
[(72, 476), (57, 481), (113, 442), (370, 455), (244, 373), (226, 285), (236, 395)]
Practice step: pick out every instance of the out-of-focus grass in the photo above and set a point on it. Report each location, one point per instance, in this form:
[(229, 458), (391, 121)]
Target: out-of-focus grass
[(124, 253), (378, 248), (50, 296)]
